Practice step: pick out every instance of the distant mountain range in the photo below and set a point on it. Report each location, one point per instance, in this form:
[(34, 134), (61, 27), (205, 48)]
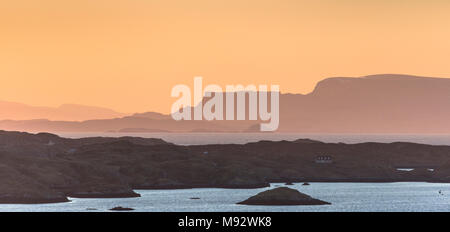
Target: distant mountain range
[(387, 103), (66, 112)]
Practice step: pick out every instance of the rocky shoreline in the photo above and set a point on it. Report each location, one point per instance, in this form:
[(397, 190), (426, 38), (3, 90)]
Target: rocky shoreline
[(45, 168)]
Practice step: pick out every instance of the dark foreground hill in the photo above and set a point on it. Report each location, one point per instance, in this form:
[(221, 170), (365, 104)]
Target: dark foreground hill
[(38, 168)]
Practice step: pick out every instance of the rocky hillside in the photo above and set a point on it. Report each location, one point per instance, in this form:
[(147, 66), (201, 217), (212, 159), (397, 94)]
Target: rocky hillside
[(46, 168)]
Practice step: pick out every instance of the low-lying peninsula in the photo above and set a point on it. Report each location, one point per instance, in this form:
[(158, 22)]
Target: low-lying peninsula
[(45, 168)]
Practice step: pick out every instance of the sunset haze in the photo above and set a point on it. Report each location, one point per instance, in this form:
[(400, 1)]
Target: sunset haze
[(128, 54)]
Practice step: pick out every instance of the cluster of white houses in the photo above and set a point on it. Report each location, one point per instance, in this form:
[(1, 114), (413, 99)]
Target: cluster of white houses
[(324, 160)]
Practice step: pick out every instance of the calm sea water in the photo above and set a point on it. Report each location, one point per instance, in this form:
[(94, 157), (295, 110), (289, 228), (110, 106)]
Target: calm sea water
[(242, 138), (345, 197)]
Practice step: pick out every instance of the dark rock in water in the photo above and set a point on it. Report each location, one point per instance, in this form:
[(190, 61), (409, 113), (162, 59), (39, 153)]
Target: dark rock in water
[(306, 183), (282, 196), (289, 183), (91, 209), (120, 208), (195, 198)]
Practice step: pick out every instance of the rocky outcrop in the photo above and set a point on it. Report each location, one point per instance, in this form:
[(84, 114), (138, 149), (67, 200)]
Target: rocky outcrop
[(282, 196), (39, 168)]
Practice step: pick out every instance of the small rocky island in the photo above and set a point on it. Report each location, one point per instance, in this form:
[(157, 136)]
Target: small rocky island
[(282, 196), (120, 208)]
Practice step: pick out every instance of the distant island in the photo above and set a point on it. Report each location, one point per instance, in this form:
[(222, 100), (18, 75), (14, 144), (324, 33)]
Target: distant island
[(44, 168)]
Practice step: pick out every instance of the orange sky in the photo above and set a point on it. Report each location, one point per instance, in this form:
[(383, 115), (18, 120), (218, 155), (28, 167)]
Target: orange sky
[(128, 54)]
